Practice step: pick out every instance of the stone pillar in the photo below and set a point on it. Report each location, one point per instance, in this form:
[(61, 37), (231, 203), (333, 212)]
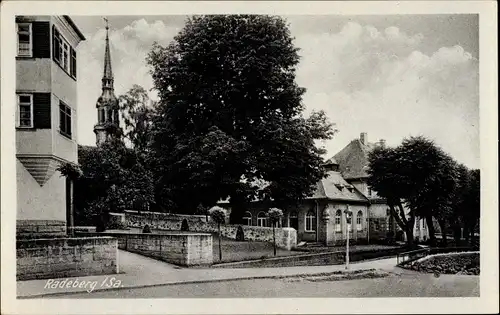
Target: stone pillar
[(328, 232)]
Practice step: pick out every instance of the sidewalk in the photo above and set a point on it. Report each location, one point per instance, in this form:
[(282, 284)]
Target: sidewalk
[(137, 271)]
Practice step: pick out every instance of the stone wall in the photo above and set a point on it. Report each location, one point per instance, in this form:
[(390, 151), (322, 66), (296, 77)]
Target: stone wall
[(285, 237), (186, 249), (40, 228), (66, 257)]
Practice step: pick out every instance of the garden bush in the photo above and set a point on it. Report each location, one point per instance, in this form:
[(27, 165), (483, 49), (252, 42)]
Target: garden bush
[(450, 263)]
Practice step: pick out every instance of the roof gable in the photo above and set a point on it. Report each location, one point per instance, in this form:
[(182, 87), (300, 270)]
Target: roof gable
[(334, 186), (353, 159)]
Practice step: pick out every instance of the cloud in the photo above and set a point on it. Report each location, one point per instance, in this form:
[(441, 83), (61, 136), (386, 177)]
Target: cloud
[(379, 81), (385, 81), (129, 48)]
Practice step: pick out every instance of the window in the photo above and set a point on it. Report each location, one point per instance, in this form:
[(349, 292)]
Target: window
[(310, 221), (417, 224), (65, 119), (247, 219), (338, 221), (64, 54), (369, 191), (110, 115), (359, 221), (261, 219), (24, 40), (424, 224), (25, 111), (73, 63), (377, 225), (100, 115)]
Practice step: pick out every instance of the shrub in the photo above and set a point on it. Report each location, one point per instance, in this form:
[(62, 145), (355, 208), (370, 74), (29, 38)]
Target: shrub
[(184, 225), (218, 214), (146, 229)]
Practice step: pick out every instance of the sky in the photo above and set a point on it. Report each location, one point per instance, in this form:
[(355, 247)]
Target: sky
[(389, 76)]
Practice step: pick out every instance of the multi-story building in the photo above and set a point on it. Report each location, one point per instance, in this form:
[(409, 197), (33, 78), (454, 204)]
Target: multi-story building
[(353, 162), (323, 217), (46, 88)]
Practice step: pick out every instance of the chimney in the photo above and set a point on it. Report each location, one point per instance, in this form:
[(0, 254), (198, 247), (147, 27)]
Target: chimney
[(363, 137), (382, 143)]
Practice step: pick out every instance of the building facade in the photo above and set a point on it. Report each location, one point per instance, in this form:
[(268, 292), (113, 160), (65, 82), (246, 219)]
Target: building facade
[(353, 162), (341, 203), (46, 112)]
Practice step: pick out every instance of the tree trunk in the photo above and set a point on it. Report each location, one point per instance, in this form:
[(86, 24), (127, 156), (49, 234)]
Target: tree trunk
[(220, 248), (456, 234), (410, 242), (432, 232), (442, 225), (466, 233), (274, 240)]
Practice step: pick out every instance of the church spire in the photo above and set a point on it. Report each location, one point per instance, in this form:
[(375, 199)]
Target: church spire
[(107, 104), (108, 72)]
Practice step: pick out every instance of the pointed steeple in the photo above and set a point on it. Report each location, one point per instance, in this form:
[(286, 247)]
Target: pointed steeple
[(108, 72), (107, 104)]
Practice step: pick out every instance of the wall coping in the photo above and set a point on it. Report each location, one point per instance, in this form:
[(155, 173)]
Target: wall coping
[(66, 238), (165, 214), (147, 234)]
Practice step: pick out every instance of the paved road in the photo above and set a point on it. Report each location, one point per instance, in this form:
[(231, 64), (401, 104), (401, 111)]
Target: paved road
[(402, 285)]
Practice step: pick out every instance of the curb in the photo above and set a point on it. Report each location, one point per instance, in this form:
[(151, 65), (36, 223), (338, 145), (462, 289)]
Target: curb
[(34, 296), (286, 258)]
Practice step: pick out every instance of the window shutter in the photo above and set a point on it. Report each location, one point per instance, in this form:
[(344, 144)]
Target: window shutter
[(41, 110), (73, 62), (41, 39)]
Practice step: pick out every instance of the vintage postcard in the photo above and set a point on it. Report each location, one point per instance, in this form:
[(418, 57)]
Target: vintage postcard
[(249, 157)]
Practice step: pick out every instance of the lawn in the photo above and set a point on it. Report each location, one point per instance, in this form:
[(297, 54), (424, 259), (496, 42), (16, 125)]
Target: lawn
[(233, 250)]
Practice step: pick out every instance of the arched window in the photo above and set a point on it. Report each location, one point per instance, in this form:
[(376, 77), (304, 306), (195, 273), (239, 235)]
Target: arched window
[(247, 219), (110, 115), (261, 219), (359, 221), (101, 115), (338, 221), (310, 221)]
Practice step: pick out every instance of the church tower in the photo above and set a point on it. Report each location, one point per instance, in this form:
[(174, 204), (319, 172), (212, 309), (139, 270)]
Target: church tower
[(108, 123)]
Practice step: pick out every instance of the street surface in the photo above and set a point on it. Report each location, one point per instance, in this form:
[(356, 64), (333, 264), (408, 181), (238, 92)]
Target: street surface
[(403, 285)]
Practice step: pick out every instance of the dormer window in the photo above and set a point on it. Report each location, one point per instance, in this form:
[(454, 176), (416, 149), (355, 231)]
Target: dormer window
[(339, 187)]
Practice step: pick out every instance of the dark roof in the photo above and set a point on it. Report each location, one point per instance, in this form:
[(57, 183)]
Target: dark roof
[(75, 28), (353, 159), (335, 187)]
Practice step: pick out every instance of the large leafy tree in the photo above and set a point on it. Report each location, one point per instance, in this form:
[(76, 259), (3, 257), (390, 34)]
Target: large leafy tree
[(416, 175), (388, 178), (112, 179), (137, 112), (471, 204), (230, 115), (432, 178)]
